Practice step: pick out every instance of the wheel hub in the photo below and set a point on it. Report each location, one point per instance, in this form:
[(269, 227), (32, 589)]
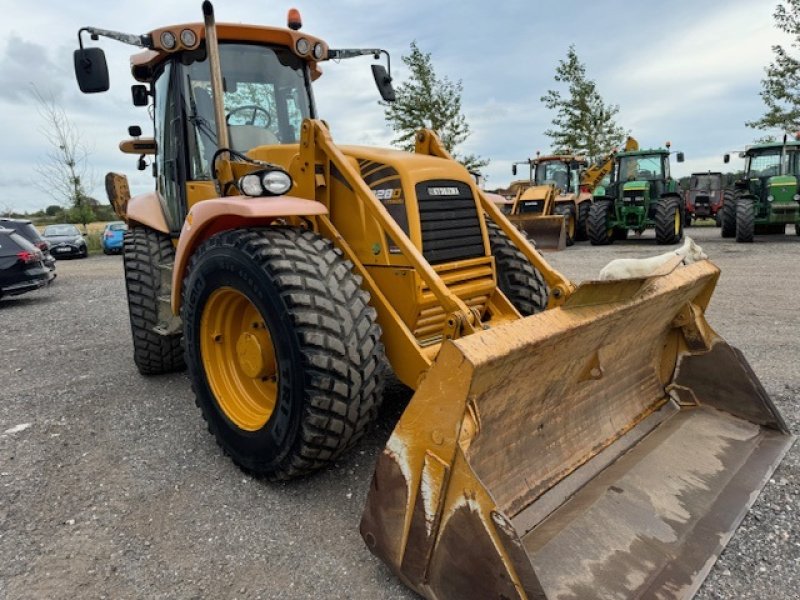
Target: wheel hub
[(250, 354)]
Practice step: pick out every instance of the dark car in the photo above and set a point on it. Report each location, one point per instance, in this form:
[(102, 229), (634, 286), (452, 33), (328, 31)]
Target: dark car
[(65, 240), (21, 265), (113, 236), (26, 229)]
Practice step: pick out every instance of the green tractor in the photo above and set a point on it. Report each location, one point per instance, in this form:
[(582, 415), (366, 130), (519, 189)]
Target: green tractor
[(766, 199), (640, 195)]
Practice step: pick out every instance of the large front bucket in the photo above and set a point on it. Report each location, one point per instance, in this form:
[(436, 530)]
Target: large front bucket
[(547, 232), (605, 449)]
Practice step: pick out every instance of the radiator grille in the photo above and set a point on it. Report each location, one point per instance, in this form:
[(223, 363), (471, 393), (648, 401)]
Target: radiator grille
[(449, 219)]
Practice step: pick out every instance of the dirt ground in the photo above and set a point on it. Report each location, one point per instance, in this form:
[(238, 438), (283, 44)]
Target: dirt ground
[(110, 486)]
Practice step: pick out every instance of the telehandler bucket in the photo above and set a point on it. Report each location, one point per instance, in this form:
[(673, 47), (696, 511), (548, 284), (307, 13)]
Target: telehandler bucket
[(547, 232), (607, 448)]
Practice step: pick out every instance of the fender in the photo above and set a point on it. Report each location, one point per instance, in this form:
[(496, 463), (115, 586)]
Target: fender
[(209, 217), (146, 209)]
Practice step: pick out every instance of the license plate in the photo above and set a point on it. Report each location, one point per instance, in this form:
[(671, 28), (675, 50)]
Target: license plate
[(61, 249)]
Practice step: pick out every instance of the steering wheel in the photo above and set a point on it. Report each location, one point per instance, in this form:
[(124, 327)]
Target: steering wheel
[(256, 109)]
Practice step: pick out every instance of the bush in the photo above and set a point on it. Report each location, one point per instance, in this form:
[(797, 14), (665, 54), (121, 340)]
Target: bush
[(93, 243)]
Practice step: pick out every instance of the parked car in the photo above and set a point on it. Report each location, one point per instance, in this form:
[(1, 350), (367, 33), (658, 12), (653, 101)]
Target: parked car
[(65, 240), (112, 237), (22, 267), (26, 229)]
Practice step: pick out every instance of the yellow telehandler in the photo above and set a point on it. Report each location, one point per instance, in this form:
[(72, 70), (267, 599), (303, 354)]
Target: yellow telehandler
[(562, 442)]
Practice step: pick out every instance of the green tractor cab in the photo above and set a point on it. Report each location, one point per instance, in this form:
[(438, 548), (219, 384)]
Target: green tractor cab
[(640, 195), (767, 199)]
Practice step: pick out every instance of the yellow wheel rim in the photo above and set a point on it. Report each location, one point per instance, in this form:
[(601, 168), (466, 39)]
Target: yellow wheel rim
[(677, 221), (238, 358)]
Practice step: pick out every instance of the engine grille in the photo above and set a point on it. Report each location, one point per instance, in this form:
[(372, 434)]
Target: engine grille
[(448, 216)]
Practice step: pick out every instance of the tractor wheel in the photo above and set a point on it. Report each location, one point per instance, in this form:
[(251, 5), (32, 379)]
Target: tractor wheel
[(687, 219), (144, 251), (745, 220), (718, 218), (669, 221), (582, 220), (517, 278), (797, 228), (570, 221), (283, 349), (598, 228), (728, 218)]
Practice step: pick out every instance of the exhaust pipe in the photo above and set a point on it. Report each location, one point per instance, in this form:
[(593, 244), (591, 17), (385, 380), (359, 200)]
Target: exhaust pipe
[(212, 49)]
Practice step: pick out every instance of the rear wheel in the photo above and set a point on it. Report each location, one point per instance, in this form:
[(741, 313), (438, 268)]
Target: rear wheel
[(517, 278), (582, 220), (599, 228), (728, 218), (745, 220), (283, 348), (144, 251), (797, 228), (669, 221)]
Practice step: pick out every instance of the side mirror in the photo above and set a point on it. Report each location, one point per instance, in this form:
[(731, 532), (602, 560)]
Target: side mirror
[(726, 158), (91, 70), (513, 169), (384, 82), (680, 157), (139, 95)]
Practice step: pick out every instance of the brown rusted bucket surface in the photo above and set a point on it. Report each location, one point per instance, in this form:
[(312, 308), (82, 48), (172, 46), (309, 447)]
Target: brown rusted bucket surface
[(605, 449), (547, 232)]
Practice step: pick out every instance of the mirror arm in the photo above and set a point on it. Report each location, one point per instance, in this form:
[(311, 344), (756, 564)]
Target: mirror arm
[(340, 54), (141, 41)]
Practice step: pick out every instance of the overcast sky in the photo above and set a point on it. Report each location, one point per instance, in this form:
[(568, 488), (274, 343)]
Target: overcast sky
[(683, 70)]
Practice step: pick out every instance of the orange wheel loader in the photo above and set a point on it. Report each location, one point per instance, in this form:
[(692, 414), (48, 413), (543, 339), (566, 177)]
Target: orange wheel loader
[(563, 441)]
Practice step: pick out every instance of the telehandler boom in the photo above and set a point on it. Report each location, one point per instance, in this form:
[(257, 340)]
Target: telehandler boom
[(562, 442)]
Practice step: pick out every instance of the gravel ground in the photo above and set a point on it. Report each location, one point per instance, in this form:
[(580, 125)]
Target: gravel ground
[(111, 487)]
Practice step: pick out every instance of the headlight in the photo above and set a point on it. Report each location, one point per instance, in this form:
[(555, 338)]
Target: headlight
[(302, 46), (273, 182), (319, 50), (78, 240), (188, 38), (168, 40), (796, 198), (276, 182), (770, 198)]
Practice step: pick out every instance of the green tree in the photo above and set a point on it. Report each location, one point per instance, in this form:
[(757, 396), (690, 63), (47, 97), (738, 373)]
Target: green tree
[(425, 101), (780, 89), (583, 121), (53, 210)]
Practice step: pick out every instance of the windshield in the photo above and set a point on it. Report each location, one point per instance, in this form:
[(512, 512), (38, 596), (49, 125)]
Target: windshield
[(54, 230), (705, 182), (640, 168), (267, 96), (767, 162), (553, 172)]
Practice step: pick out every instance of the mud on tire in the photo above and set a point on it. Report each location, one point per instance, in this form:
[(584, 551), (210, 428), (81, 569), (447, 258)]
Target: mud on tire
[(329, 355), (144, 249), (517, 278)]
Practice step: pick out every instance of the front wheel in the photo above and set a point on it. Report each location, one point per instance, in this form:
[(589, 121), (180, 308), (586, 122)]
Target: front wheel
[(669, 221), (599, 228), (283, 349), (728, 219), (570, 221), (745, 220), (518, 279), (582, 221)]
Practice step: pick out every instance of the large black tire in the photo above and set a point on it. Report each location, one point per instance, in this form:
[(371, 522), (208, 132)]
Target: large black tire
[(144, 250), (669, 220), (570, 221), (745, 220), (582, 221), (519, 280), (728, 218), (797, 228), (329, 358), (600, 234)]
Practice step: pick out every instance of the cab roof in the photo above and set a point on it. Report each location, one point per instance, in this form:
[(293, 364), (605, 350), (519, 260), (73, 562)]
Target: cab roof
[(145, 64)]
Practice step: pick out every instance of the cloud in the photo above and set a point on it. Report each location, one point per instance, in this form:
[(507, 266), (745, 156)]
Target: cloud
[(25, 64)]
